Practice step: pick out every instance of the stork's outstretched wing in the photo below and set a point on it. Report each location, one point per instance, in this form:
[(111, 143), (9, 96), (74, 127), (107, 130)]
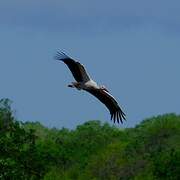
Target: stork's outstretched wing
[(77, 69), (109, 101)]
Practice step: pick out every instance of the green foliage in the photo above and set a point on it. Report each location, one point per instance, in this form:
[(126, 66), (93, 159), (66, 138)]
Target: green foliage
[(18, 156), (152, 151), (92, 151)]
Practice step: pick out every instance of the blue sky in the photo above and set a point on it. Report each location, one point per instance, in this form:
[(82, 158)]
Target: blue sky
[(132, 47)]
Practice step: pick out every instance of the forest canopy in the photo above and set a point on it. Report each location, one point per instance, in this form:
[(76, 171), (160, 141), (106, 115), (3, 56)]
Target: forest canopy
[(94, 150)]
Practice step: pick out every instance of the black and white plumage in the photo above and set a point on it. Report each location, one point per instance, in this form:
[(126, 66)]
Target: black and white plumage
[(84, 82)]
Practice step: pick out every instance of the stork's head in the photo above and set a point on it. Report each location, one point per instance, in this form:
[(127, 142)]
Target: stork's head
[(76, 85), (70, 85), (104, 88)]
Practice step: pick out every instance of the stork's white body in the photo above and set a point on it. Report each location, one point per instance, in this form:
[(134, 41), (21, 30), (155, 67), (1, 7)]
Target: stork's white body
[(88, 85)]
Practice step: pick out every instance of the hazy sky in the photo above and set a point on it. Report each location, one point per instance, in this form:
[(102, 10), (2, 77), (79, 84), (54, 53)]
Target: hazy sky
[(132, 47)]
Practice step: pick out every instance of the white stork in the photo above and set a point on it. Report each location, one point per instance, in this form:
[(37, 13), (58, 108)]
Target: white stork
[(84, 82)]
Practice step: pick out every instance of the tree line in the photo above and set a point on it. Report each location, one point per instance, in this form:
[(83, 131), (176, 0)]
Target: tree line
[(94, 150)]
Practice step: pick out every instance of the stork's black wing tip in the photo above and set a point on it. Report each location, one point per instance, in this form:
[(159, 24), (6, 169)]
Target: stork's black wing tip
[(118, 116), (60, 56)]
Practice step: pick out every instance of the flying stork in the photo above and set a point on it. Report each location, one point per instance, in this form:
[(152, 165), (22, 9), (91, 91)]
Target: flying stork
[(84, 82)]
